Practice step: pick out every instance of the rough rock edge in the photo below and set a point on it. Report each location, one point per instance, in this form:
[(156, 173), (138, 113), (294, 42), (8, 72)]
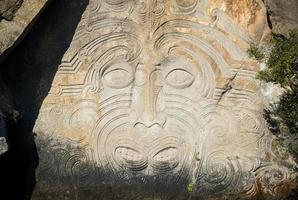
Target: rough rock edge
[(282, 15), (280, 21), (3, 136), (12, 32), (9, 8), (23, 16)]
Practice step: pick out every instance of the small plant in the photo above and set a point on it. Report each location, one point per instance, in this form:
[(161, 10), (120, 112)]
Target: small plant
[(256, 53), (191, 187), (281, 142)]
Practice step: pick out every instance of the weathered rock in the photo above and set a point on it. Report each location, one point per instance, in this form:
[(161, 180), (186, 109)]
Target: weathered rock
[(5, 112), (8, 8), (249, 14), (283, 15), (3, 136), (3, 145), (15, 17), (155, 97)]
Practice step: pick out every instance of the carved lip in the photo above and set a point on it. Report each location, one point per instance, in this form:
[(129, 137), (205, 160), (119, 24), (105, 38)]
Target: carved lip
[(129, 154), (166, 159), (162, 154), (129, 157), (166, 154)]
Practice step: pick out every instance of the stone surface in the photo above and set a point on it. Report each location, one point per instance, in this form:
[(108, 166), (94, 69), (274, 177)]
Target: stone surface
[(3, 145), (154, 97), (249, 14), (15, 17), (283, 15), (3, 136), (8, 8), (6, 111)]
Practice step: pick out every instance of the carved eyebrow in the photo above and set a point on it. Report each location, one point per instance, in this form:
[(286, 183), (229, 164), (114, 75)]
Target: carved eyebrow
[(222, 37)]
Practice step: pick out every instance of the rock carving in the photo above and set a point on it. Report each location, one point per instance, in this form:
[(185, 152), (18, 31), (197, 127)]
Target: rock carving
[(155, 92)]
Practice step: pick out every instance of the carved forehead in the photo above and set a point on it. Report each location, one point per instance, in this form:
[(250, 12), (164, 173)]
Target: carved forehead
[(144, 17), (155, 30)]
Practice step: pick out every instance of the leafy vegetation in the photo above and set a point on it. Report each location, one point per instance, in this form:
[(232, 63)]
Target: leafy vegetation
[(287, 110), (283, 61), (282, 69), (256, 53)]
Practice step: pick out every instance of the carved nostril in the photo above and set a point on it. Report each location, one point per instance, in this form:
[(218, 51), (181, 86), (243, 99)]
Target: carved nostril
[(147, 120), (147, 125)]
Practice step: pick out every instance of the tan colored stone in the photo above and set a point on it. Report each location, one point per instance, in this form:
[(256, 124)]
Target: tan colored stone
[(153, 96), (8, 8), (249, 14)]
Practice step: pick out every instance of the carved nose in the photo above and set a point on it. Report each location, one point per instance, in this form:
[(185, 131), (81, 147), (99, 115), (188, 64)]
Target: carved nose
[(146, 109)]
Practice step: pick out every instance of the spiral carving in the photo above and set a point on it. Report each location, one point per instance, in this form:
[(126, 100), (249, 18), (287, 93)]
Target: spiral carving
[(157, 91), (221, 172), (186, 7), (275, 180)]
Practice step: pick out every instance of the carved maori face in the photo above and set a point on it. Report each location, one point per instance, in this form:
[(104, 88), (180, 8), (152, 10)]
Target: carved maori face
[(158, 88)]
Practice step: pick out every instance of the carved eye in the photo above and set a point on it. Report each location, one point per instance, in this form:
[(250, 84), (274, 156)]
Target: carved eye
[(117, 78), (179, 78)]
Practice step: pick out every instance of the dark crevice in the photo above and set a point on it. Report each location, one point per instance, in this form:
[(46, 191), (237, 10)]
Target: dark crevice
[(269, 13), (228, 87)]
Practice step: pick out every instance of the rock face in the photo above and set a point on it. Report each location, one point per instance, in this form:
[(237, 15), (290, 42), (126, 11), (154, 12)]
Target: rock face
[(6, 111), (283, 15), (8, 8), (3, 137), (15, 17), (157, 100)]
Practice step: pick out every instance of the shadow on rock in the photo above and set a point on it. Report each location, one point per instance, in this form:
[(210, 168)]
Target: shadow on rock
[(28, 73)]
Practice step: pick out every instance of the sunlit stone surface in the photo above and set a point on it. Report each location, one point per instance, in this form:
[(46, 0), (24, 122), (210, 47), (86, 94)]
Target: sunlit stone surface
[(153, 96)]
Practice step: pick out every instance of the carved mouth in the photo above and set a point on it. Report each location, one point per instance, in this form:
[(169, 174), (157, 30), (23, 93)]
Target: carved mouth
[(128, 154), (166, 159), (166, 154), (163, 154)]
